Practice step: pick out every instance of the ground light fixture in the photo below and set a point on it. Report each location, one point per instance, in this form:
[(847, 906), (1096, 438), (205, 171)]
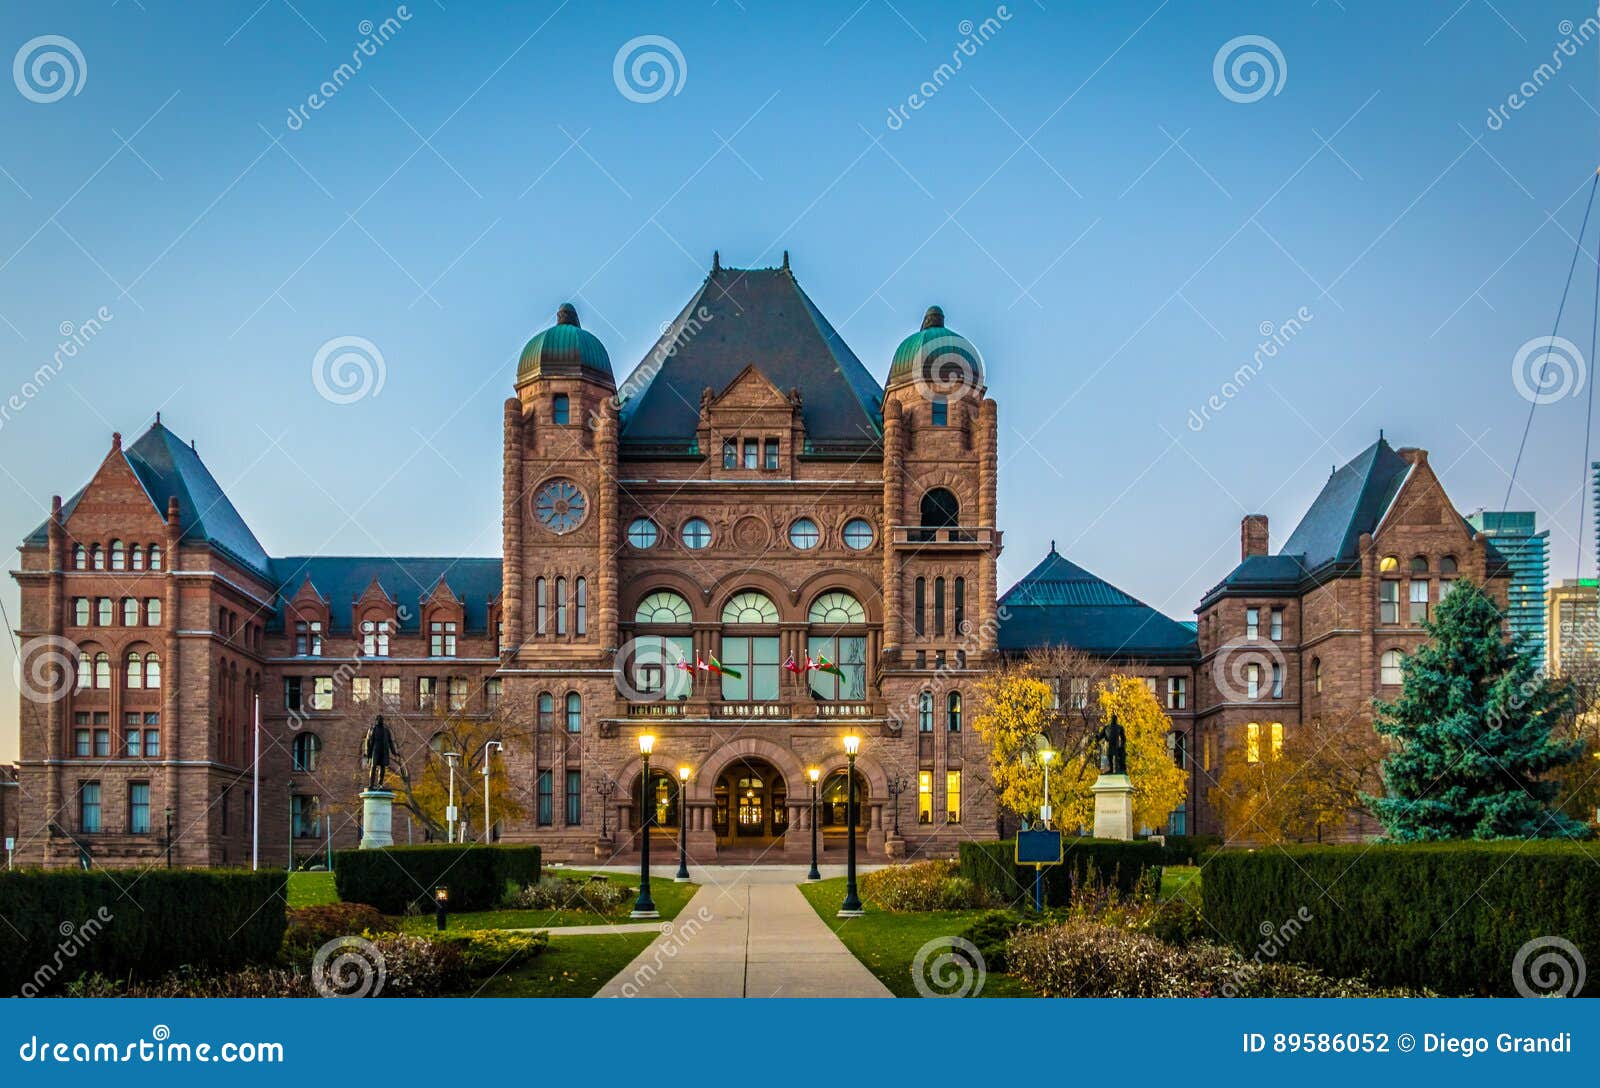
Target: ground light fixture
[(441, 906), (682, 876), (813, 773), (851, 907), (644, 906)]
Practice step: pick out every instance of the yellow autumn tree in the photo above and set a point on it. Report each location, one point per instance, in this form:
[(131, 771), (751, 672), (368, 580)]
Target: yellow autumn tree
[(1017, 712)]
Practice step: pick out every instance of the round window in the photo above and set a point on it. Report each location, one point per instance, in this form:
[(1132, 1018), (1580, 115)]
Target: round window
[(803, 533), (642, 533), (858, 534), (560, 506), (696, 534)]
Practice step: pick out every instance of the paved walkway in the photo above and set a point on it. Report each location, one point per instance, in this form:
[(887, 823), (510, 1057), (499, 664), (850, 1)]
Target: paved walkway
[(748, 932)]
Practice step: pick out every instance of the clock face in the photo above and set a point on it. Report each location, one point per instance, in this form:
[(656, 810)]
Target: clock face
[(560, 506)]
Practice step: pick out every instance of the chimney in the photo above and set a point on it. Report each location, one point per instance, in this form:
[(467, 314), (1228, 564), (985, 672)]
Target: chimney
[(1253, 535)]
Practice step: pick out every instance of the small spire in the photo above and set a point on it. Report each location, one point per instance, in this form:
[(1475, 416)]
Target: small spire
[(1052, 547), (158, 419), (933, 319), (1380, 434), (716, 261), (116, 440), (786, 260), (567, 314)]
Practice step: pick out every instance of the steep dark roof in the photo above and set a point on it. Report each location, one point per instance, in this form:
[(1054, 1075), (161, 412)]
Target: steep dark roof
[(168, 468), (343, 579), (1060, 603), (1267, 572), (758, 316), (1351, 502)]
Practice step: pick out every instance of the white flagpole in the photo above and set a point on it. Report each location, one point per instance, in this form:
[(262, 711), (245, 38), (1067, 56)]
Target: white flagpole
[(255, 792)]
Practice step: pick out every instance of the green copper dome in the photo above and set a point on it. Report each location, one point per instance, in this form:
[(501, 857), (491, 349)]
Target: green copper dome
[(565, 350), (936, 357)]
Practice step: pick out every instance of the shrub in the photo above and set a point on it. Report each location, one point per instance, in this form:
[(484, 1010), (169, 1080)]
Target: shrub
[(1451, 917), (66, 923), (1085, 863), (989, 933), (245, 982), (920, 886), (418, 966), (486, 952), (312, 927), (397, 879), (1087, 958), (573, 893), (1188, 849)]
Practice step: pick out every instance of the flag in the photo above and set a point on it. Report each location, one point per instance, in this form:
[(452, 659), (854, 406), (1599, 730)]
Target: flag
[(793, 666), (824, 665), (722, 670)]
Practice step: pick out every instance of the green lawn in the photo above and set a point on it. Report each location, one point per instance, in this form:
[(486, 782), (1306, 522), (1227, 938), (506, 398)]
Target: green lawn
[(311, 889), (669, 896), (570, 967), (1181, 881), (887, 943)]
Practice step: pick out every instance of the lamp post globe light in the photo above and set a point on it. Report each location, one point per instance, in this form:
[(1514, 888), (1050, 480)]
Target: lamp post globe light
[(644, 906), (851, 907), (488, 749), (451, 758), (813, 773), (682, 876), (1045, 756)]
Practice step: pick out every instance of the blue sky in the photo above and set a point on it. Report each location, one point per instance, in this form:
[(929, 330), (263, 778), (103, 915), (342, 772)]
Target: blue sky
[(1087, 205)]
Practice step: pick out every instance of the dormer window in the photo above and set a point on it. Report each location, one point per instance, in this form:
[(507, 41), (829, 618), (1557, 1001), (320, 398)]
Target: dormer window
[(308, 638), (560, 410), (442, 638), (375, 638)]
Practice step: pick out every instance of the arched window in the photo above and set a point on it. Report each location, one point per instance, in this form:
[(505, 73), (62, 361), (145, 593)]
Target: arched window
[(547, 712), (102, 670), (155, 557), (307, 747), (561, 606), (750, 607), (436, 744), (541, 606), (1276, 732), (80, 557), (130, 612), (920, 606), (925, 712), (835, 797), (80, 611), (1389, 667), (953, 711), (136, 557), (97, 558), (152, 670), (749, 662), (581, 606), (574, 712), (938, 607), (103, 614), (560, 410), (1448, 565), (1316, 675), (1419, 564), (119, 555), (836, 607), (134, 677), (663, 606), (1252, 742), (85, 671), (1389, 564), (960, 627), (940, 509)]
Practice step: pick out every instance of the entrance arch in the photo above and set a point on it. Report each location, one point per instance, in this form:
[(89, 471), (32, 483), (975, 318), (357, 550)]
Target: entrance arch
[(749, 804)]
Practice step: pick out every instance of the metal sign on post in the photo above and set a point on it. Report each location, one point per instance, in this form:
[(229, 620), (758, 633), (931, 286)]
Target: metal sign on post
[(1038, 848)]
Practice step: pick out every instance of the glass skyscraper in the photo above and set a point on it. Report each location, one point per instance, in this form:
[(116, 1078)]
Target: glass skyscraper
[(1516, 536)]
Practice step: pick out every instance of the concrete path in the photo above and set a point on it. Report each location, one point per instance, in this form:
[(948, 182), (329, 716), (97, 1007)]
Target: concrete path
[(748, 932)]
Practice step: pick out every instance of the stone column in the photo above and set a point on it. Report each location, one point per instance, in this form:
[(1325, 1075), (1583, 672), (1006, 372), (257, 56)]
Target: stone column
[(893, 501), (55, 710), (511, 526), (988, 476), (606, 597)]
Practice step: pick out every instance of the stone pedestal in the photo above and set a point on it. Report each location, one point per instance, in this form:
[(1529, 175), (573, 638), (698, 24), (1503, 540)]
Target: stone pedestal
[(1113, 807), (894, 848), (377, 817)]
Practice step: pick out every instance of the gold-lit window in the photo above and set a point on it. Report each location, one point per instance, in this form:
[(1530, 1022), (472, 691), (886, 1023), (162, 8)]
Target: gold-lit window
[(952, 797), (1389, 563), (924, 797), (1252, 742), (1277, 739)]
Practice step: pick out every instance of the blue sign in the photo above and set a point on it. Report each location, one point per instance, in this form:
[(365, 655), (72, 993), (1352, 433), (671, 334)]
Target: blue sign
[(1039, 847)]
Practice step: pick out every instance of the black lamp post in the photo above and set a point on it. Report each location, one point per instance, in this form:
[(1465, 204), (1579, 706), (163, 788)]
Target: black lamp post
[(682, 876), (851, 907), (291, 825), (169, 836), (605, 788), (897, 786), (644, 906), (814, 774)]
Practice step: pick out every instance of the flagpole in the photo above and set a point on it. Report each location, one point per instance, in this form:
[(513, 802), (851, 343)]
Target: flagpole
[(255, 792)]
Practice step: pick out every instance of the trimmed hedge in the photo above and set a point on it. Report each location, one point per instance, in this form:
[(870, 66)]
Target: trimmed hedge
[(1448, 917), (66, 923), (397, 877), (1104, 862), (1189, 849)]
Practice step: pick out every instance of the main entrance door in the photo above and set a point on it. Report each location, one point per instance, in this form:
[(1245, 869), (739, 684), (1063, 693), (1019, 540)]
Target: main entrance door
[(750, 805)]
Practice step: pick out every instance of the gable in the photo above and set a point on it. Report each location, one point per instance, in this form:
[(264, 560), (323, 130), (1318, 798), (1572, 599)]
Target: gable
[(114, 499)]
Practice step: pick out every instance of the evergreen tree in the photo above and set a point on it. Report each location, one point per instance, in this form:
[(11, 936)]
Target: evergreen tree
[(1473, 726)]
